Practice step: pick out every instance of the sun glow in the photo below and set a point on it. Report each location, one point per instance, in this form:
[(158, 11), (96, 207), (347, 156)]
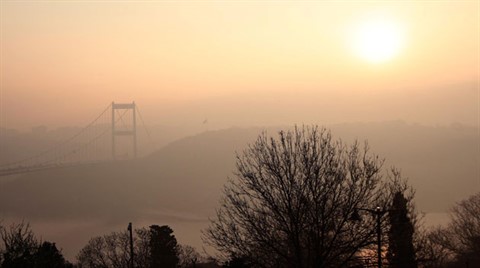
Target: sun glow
[(377, 40)]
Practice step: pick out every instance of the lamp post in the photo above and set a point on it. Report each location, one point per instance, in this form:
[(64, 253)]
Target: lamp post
[(378, 212), (130, 229)]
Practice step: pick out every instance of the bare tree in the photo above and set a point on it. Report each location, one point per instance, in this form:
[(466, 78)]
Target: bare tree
[(19, 244), (466, 225), (188, 256), (290, 201), (93, 255), (430, 249), (459, 242), (112, 250), (20, 248)]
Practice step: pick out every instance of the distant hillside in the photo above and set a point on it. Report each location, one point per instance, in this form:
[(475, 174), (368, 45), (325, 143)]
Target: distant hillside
[(442, 163), (181, 183)]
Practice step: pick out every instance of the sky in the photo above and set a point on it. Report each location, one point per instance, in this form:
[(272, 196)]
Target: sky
[(240, 62)]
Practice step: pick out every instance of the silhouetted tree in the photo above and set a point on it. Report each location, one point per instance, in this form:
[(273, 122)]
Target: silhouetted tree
[(291, 200), (20, 245), (461, 238), (209, 262), (142, 247), (401, 252), (163, 247), (48, 256), (237, 262), (113, 250), (430, 253), (22, 249), (188, 256), (153, 247)]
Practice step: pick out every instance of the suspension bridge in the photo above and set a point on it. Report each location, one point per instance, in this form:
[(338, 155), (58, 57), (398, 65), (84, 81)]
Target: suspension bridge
[(99, 141)]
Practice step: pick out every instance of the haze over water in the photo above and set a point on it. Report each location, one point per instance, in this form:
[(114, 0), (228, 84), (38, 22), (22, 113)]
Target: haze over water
[(405, 75)]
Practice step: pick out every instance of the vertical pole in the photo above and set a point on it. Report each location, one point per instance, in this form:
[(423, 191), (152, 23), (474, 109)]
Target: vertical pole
[(134, 131), (113, 130), (130, 229), (379, 236)]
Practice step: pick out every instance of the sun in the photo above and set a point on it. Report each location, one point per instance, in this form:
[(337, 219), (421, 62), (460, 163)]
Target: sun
[(377, 39)]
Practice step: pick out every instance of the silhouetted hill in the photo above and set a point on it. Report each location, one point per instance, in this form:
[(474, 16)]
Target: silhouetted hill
[(181, 183)]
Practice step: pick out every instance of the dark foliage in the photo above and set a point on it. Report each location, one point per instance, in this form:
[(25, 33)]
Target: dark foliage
[(401, 253), (48, 256), (163, 247)]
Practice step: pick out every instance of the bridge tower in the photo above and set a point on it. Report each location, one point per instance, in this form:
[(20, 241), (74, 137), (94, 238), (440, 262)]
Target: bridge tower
[(124, 132)]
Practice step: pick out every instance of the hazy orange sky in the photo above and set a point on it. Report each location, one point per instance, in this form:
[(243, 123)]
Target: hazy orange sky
[(236, 62)]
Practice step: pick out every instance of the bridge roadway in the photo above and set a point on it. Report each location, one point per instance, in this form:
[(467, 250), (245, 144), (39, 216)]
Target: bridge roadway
[(28, 169), (94, 138)]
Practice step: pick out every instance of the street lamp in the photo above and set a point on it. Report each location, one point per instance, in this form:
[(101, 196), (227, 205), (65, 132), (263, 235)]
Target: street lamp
[(378, 212), (130, 230)]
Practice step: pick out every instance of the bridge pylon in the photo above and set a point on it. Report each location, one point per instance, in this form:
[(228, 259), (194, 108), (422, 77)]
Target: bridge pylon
[(124, 132)]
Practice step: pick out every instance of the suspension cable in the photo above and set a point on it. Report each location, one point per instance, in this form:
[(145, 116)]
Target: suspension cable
[(59, 144), (145, 127)]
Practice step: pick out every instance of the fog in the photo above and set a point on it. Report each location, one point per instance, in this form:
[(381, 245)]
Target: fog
[(180, 183), (207, 79)]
